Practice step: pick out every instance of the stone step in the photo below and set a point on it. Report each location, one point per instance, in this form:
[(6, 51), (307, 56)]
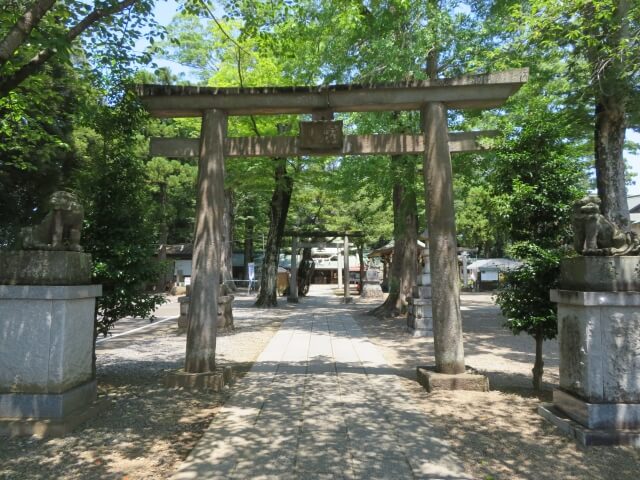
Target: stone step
[(419, 291)]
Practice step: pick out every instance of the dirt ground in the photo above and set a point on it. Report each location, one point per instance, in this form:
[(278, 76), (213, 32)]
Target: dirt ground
[(146, 430), (498, 434)]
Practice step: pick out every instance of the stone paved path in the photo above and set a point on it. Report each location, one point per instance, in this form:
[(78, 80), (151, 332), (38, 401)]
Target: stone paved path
[(320, 403)]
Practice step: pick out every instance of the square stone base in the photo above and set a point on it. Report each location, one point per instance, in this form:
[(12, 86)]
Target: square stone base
[(602, 416), (470, 380), (47, 405), (52, 427), (588, 436), (214, 381)]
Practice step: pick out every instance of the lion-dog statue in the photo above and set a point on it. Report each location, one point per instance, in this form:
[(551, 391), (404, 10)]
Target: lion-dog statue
[(594, 234), (60, 228)]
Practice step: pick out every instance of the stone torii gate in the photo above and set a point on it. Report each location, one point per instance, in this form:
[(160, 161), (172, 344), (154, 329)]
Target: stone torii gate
[(324, 137), (297, 234)]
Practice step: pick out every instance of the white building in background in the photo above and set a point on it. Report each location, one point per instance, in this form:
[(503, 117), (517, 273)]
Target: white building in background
[(633, 201)]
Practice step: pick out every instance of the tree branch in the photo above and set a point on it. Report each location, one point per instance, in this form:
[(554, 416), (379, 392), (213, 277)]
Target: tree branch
[(32, 66), (22, 29)]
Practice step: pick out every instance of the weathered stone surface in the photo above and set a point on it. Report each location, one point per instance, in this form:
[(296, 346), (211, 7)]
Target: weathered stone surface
[(321, 136), (51, 427), (44, 267), (587, 436), (46, 337), (371, 290), (598, 415), (61, 227), (594, 234), (421, 291), (225, 311), (601, 274), (47, 405), (215, 380), (420, 322), (424, 279), (470, 380), (599, 339)]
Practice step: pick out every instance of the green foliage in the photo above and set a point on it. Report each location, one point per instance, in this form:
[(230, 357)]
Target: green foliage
[(118, 232), (536, 178), (524, 296), (36, 153)]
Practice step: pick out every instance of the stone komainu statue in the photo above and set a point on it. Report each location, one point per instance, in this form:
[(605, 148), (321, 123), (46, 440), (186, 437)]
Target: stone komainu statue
[(596, 235), (60, 228)]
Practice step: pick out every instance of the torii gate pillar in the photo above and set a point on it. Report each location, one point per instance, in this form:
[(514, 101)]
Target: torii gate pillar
[(200, 364), (438, 182)]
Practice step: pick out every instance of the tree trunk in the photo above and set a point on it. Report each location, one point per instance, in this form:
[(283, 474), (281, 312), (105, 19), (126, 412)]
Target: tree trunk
[(268, 296), (538, 366), (612, 91), (305, 272), (226, 265), (33, 66), (609, 160), (163, 238), (402, 275), (22, 29)]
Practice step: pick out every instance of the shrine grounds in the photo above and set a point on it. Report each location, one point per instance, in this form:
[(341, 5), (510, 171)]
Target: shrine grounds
[(145, 431)]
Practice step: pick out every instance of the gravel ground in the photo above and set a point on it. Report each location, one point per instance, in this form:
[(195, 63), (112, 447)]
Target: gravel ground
[(145, 429)]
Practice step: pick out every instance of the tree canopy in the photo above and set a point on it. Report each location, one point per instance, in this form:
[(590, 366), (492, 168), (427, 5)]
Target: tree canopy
[(65, 68)]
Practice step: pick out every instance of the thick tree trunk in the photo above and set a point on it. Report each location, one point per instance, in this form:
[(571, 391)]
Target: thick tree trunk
[(612, 89), (268, 296), (226, 267), (609, 146), (538, 367), (402, 275)]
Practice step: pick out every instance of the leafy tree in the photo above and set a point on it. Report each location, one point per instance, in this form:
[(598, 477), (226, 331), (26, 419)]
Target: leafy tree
[(33, 32), (36, 149), (118, 232), (599, 40), (536, 179), (524, 298)]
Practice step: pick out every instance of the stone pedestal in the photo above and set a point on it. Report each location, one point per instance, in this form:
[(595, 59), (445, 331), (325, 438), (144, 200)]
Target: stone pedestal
[(225, 310), (371, 287), (44, 267), (214, 381), (46, 349), (470, 380), (598, 401), (420, 314)]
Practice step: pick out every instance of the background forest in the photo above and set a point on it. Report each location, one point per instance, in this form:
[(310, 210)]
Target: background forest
[(70, 120)]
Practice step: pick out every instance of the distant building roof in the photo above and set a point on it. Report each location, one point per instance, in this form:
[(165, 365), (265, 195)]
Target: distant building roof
[(388, 248), (494, 264), (633, 201)]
